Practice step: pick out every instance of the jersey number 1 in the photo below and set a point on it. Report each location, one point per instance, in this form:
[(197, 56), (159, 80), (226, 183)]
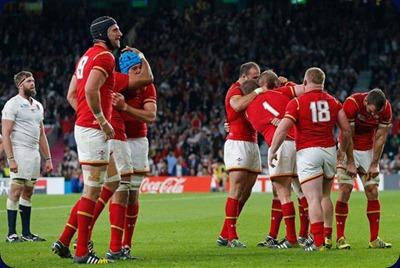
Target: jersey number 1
[(320, 111), (81, 65)]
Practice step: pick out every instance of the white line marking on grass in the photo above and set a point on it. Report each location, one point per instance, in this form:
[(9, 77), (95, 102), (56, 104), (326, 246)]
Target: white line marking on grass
[(142, 200)]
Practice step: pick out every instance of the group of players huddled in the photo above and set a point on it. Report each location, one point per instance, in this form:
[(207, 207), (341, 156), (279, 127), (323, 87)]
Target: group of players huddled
[(298, 124), (112, 109)]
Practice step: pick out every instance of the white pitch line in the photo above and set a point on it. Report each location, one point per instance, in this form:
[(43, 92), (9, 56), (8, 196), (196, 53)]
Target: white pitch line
[(142, 200)]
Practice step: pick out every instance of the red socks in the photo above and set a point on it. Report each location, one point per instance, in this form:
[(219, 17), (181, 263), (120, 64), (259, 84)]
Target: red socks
[(341, 211), (85, 217), (289, 214), (276, 218), (303, 215), (328, 232), (131, 216), (105, 195), (71, 226), (317, 230), (117, 218), (231, 214), (373, 214)]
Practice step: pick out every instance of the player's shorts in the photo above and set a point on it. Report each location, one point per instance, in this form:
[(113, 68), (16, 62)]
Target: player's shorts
[(122, 155), (140, 155), (93, 149), (242, 155), (285, 166), (314, 162), (363, 161), (28, 161)]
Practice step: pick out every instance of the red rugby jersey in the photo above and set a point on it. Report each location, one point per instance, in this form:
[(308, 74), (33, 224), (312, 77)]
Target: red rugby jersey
[(99, 58), (117, 122), (134, 127), (240, 128), (365, 125), (315, 115)]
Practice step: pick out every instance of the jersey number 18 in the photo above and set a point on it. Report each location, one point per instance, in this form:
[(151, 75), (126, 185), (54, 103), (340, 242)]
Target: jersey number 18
[(320, 111)]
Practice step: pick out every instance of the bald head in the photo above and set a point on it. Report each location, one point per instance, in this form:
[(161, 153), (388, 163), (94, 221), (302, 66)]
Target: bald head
[(269, 79), (314, 75)]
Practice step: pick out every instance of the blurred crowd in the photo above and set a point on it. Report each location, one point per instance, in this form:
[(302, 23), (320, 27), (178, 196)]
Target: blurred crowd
[(195, 53)]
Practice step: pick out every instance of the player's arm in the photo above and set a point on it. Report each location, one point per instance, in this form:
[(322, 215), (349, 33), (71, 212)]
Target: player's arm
[(240, 103), (147, 114), (6, 129), (94, 82), (279, 136), (71, 95), (44, 148), (345, 131), (144, 78), (379, 143)]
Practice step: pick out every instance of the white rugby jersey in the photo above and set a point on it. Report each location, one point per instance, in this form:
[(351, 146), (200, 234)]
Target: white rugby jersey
[(27, 118)]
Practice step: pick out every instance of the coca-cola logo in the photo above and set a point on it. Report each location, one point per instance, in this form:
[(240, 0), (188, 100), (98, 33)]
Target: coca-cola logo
[(173, 185)]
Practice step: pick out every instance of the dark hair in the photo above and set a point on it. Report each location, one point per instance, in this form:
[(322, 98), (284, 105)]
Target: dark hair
[(245, 67), (20, 77), (248, 86), (377, 98), (268, 78)]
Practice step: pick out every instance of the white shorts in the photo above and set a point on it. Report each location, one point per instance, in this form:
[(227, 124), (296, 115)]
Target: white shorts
[(140, 154), (285, 166), (28, 161), (242, 155), (92, 146), (363, 161), (122, 156), (316, 161)]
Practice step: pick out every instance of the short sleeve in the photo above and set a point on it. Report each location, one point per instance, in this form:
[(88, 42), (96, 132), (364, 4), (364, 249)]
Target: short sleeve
[(350, 108), (292, 110), (288, 91), (104, 62), (386, 118), (9, 111), (121, 82), (150, 94)]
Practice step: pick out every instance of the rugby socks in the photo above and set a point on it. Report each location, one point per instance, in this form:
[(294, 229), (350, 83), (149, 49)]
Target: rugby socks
[(373, 214), (341, 211), (317, 230), (328, 232), (25, 208), (70, 227), (289, 215), (276, 218), (131, 215), (85, 218), (303, 215), (12, 211), (117, 218), (101, 202), (224, 232), (231, 214)]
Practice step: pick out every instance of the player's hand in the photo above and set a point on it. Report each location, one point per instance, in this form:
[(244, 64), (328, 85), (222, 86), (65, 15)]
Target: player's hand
[(108, 130), (272, 156), (126, 48), (226, 127), (351, 169), (275, 121), (48, 166), (283, 80), (118, 101), (373, 171), (13, 165)]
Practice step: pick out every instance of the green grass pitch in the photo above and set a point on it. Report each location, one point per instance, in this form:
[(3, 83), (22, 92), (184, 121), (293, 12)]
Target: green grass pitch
[(180, 231)]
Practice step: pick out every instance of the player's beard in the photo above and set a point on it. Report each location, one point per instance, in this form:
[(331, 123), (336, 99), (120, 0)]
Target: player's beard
[(30, 92)]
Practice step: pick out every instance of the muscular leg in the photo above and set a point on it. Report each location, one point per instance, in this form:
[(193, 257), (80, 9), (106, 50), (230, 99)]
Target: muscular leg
[(327, 207), (313, 190), (282, 186), (373, 210), (25, 206)]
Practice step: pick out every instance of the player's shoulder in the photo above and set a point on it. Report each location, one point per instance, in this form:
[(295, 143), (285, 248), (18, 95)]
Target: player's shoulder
[(233, 90), (16, 100)]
